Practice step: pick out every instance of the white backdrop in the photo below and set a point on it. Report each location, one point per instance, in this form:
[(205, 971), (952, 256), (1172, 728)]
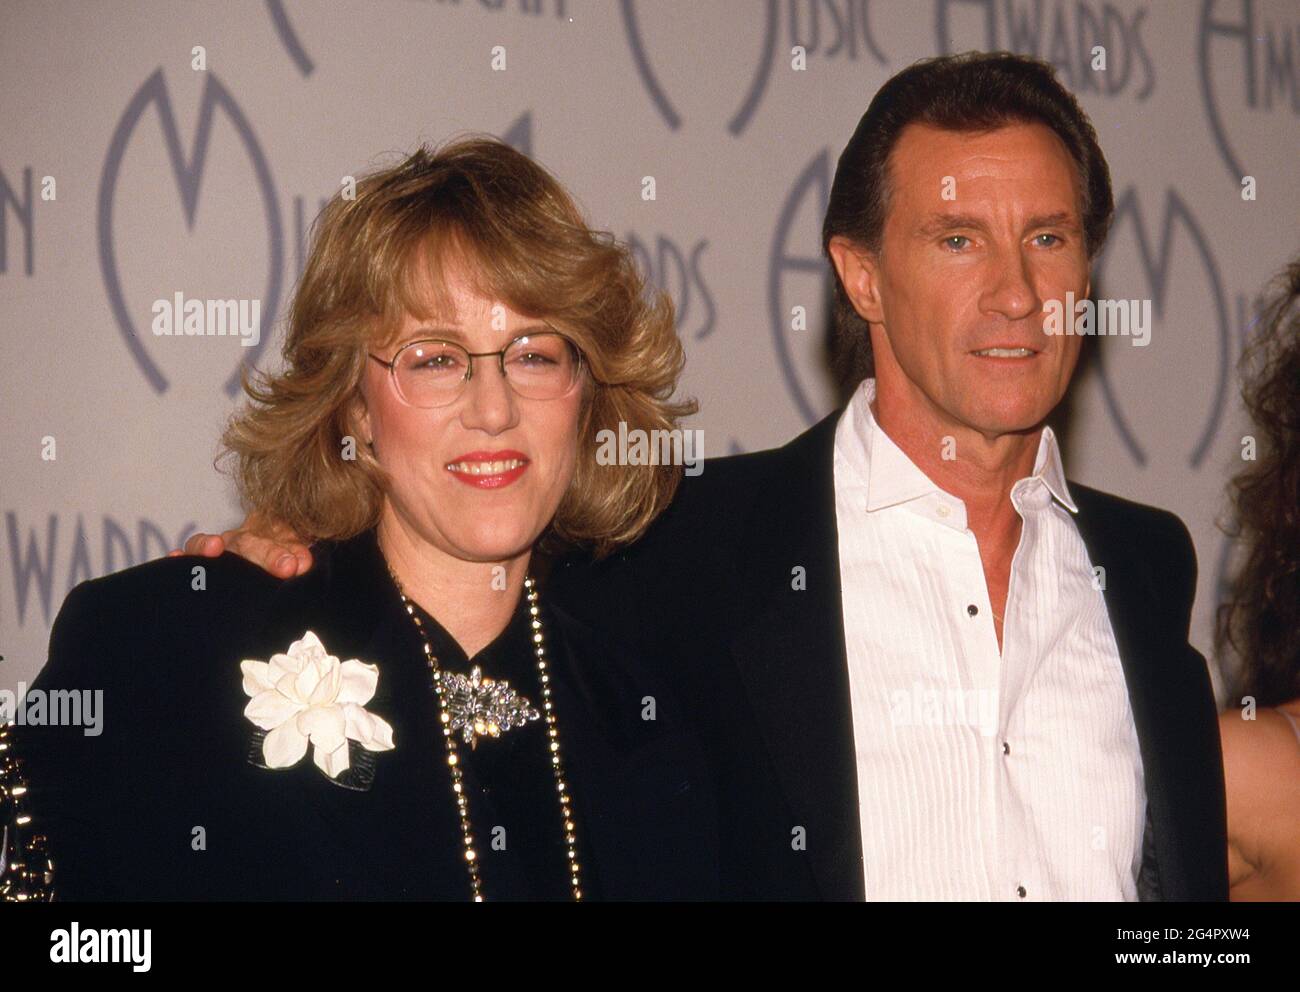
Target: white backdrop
[(128, 174)]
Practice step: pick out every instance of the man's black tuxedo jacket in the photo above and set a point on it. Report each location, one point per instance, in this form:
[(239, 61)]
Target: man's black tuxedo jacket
[(708, 593)]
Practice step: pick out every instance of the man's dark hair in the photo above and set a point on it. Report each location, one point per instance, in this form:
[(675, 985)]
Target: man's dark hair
[(972, 92)]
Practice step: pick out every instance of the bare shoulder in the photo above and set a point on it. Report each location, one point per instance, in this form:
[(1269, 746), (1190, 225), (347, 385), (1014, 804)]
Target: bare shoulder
[(1259, 753), (1261, 760), (1266, 729)]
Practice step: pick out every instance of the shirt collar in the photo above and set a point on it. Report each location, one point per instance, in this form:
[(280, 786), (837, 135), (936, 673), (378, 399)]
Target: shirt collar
[(1047, 466), (891, 478)]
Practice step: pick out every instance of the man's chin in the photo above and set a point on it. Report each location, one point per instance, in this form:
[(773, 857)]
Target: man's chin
[(1003, 419)]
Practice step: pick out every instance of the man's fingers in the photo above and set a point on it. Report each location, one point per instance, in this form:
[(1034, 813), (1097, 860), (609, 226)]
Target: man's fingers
[(292, 557), (206, 545), (262, 541), (278, 556), (285, 555), (271, 546)]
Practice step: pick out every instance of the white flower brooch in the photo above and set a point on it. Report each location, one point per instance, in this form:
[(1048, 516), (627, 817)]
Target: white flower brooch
[(307, 696)]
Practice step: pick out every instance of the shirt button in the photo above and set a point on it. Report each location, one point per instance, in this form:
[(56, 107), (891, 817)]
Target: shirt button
[(942, 509), (1020, 891), (1006, 748), (972, 610)]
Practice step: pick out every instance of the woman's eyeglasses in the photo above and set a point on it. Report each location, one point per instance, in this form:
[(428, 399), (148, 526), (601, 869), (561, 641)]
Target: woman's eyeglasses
[(432, 373)]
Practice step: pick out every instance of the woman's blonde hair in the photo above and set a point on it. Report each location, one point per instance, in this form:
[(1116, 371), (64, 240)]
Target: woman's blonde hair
[(381, 254)]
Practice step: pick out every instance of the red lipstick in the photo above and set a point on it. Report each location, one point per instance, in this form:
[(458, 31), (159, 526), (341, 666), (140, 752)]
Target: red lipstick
[(488, 469)]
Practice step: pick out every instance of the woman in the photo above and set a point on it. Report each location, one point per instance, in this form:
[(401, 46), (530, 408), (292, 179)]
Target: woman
[(1261, 623), (409, 720)]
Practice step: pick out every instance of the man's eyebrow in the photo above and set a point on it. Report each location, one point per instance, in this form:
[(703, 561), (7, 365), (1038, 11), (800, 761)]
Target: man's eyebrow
[(939, 223), (1058, 219)]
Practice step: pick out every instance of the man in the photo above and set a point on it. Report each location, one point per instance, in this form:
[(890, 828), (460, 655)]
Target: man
[(925, 666)]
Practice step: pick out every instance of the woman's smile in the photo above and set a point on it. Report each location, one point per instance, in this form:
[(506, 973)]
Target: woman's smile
[(488, 469)]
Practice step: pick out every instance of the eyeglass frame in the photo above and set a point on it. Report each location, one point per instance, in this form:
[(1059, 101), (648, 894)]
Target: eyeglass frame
[(391, 364)]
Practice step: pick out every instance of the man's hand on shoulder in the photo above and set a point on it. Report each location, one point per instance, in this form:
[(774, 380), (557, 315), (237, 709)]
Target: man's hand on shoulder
[(265, 542)]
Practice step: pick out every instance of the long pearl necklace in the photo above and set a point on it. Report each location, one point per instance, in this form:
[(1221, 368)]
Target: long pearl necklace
[(486, 707)]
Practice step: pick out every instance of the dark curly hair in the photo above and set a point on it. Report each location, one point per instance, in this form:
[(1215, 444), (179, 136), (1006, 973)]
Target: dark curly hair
[(1260, 622)]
